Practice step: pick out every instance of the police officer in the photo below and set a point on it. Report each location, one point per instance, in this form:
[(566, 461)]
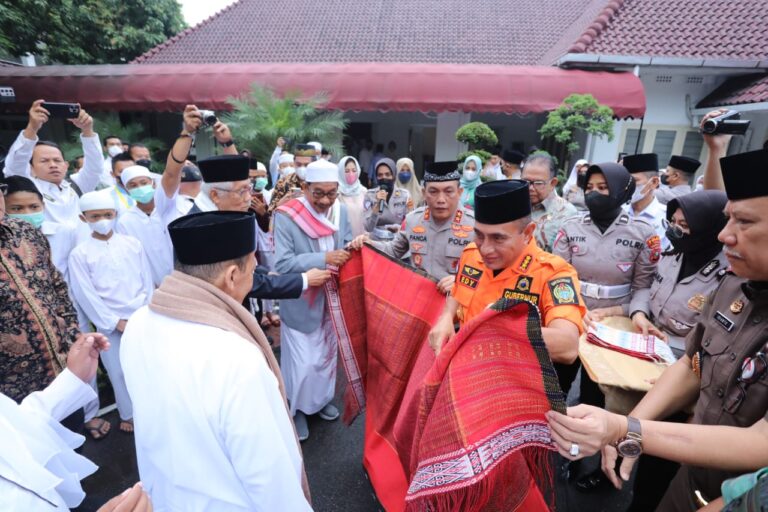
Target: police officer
[(385, 206), (504, 261), (437, 233), (724, 369), (676, 181)]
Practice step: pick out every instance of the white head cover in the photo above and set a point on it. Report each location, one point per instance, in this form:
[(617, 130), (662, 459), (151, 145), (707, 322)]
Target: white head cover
[(322, 171), (261, 167), (98, 200), (571, 182), (285, 158), (318, 147), (134, 171)]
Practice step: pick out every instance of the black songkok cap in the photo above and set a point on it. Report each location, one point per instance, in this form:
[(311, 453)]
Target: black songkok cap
[(685, 164), (213, 237), (512, 157), (220, 169), (500, 201), (442, 171), (253, 164), (190, 174), (641, 163), (746, 174)]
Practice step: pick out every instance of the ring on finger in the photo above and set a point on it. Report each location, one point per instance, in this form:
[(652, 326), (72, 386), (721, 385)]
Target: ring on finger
[(574, 449)]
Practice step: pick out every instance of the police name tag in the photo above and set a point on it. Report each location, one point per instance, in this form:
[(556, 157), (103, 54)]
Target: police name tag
[(725, 322)]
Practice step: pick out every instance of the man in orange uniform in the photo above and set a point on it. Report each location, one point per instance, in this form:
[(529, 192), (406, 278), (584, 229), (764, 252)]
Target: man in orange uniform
[(504, 261)]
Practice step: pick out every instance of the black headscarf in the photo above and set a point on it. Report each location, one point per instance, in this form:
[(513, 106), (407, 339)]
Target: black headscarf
[(389, 186), (605, 209), (703, 211)]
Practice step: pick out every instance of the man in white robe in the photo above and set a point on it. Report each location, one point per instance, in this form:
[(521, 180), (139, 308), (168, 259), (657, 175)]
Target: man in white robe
[(212, 426), (310, 232), (110, 278)]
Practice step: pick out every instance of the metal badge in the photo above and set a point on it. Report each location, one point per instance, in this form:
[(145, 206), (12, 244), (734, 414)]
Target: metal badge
[(696, 303), (737, 306)]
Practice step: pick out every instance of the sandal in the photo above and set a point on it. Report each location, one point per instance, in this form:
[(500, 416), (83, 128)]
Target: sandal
[(127, 426), (96, 428)]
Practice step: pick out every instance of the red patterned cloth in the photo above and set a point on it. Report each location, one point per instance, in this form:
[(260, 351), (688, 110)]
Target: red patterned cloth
[(308, 223), (465, 431)]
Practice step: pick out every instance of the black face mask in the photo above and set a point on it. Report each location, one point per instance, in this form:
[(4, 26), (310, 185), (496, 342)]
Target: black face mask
[(387, 185), (664, 179), (688, 244), (581, 180), (602, 209), (144, 163)]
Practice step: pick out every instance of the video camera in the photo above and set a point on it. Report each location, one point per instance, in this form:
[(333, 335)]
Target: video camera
[(728, 123)]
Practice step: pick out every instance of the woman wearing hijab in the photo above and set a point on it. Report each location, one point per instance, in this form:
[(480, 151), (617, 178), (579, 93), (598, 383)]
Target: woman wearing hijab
[(573, 190), (385, 206), (470, 180), (352, 193), (406, 179)]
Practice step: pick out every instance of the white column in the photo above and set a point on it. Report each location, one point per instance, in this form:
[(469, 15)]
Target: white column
[(446, 145)]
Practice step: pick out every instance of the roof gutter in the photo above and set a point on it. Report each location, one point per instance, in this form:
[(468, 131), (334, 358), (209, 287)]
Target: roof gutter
[(596, 60), (742, 107)]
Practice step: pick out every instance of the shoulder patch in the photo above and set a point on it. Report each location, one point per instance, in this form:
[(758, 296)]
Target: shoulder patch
[(586, 219), (470, 276), (526, 262), (711, 267), (654, 244), (623, 219), (563, 291)]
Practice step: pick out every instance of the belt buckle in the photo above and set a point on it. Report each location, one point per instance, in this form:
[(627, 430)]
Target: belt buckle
[(591, 290)]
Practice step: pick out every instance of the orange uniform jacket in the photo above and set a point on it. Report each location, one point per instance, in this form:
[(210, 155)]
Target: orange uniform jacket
[(545, 280)]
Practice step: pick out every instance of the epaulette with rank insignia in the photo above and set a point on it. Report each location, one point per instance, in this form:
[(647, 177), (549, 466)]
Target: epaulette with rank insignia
[(624, 219)]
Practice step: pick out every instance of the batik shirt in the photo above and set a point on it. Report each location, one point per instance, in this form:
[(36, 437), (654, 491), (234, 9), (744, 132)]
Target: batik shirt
[(282, 188), (549, 216)]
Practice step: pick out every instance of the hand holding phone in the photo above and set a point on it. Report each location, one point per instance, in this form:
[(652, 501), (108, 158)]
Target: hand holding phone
[(62, 110)]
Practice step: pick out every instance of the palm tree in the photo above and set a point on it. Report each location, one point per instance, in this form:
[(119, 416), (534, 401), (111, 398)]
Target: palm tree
[(261, 116)]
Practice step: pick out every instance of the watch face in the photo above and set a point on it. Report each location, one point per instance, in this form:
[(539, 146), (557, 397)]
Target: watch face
[(629, 448)]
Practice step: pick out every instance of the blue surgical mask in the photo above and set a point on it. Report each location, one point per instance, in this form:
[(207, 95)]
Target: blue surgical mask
[(143, 194), (259, 184), (404, 177), (36, 219)]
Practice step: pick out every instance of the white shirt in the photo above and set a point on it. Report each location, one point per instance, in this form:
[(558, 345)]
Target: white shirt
[(107, 180), (654, 214), (152, 231), (274, 163), (61, 201), (39, 470), (212, 431), (62, 238), (184, 204), (110, 279)]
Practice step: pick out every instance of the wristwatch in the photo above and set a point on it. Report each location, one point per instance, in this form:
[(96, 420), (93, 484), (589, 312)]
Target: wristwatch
[(227, 144), (631, 446)]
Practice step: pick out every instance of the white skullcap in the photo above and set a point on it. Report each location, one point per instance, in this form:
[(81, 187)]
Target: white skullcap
[(134, 171), (285, 158), (318, 147), (261, 167), (98, 200), (581, 162), (322, 171)]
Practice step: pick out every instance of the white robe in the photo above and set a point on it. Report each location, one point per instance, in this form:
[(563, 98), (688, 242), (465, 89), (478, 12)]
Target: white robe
[(211, 428), (152, 231), (39, 470)]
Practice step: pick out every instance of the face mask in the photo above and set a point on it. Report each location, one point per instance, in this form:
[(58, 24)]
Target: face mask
[(285, 171), (598, 204), (639, 194), (143, 194), (387, 185), (404, 177), (144, 163), (470, 175), (36, 219), (102, 227), (350, 178), (113, 151), (259, 184), (301, 172), (664, 179), (581, 181)]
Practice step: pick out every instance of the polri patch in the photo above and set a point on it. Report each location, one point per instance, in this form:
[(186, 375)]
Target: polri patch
[(725, 322), (563, 292), (654, 244)]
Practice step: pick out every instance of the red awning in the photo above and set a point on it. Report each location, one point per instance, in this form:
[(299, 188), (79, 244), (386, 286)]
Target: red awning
[(350, 86)]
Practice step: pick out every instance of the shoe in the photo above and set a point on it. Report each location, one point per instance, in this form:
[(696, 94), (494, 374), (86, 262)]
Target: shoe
[(329, 412), (593, 481), (302, 429)]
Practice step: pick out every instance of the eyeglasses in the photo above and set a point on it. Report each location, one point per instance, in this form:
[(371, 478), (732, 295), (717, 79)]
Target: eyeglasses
[(319, 194), (752, 370), (243, 192), (4, 189), (537, 183)]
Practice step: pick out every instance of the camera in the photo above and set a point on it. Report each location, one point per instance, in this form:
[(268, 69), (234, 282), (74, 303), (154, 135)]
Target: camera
[(209, 118), (728, 123)]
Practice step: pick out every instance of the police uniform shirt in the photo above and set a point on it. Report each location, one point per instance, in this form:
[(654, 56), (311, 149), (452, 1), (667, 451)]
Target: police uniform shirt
[(626, 254), (435, 248), (394, 210), (675, 306), (544, 280)]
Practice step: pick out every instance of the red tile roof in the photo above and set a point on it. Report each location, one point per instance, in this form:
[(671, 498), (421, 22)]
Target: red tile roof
[(502, 32), (713, 29), (738, 91)]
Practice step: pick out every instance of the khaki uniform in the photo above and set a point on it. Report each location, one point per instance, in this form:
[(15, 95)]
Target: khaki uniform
[(434, 248), (549, 216), (614, 266), (394, 210), (731, 328), (675, 307)]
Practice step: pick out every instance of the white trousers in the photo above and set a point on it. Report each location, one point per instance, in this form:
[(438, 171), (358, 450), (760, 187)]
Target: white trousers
[(308, 364), (111, 360)]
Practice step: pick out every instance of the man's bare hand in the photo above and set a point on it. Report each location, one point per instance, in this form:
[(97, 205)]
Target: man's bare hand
[(134, 499), (716, 143), (193, 120), (83, 356), (38, 116), (359, 241), (317, 277), (221, 133), (445, 285), (337, 258), (258, 206), (83, 121), (441, 333)]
